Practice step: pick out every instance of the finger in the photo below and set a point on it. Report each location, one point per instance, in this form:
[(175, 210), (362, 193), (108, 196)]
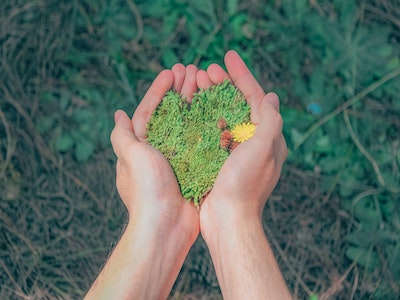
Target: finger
[(273, 99), (271, 122), (153, 97), (268, 144), (244, 79), (283, 149), (202, 79), (217, 74), (122, 134), (189, 86), (179, 71), (256, 110)]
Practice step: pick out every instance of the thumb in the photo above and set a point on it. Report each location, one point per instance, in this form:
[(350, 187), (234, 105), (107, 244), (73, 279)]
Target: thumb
[(272, 99), (269, 130), (271, 122), (122, 134)]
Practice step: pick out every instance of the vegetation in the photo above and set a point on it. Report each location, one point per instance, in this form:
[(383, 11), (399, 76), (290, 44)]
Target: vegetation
[(65, 67), (191, 137)]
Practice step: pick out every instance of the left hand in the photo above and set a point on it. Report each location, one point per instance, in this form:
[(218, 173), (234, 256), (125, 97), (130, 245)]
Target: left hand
[(160, 220), (145, 180)]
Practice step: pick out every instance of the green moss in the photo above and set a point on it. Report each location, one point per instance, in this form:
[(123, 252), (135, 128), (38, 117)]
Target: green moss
[(189, 137)]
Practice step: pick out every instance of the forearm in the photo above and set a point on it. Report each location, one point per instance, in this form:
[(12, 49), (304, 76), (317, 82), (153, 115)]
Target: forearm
[(143, 265), (244, 262)]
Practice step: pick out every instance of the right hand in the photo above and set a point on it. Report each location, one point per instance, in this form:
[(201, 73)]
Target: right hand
[(252, 170)]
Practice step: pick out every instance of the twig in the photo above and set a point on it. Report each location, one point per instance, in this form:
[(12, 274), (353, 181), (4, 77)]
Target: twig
[(139, 20), (337, 285), (344, 106), (364, 151), (362, 195), (14, 229), (11, 277), (353, 290), (7, 159), (389, 16)]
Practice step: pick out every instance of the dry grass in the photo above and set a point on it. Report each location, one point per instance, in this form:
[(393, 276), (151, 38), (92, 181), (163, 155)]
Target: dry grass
[(59, 219)]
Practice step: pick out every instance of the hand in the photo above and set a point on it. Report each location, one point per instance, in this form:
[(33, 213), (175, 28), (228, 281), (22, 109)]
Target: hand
[(231, 214), (251, 172), (159, 218), (145, 180)]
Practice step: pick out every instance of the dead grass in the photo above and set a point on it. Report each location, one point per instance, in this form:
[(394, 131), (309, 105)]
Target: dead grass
[(60, 219)]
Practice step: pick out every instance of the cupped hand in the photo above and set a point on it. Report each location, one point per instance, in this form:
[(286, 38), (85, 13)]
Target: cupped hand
[(145, 180), (252, 171)]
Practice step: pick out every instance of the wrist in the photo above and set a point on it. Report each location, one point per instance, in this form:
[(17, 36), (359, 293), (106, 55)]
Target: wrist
[(230, 230), (152, 256), (168, 218), (221, 218), (243, 260), (161, 231)]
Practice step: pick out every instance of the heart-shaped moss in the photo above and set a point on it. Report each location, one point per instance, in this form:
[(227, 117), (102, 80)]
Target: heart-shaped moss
[(197, 138)]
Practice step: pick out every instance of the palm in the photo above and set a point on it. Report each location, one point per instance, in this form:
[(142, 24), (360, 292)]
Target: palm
[(156, 174), (251, 172)]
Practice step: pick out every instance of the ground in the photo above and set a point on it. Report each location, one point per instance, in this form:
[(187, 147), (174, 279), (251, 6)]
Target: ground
[(65, 68)]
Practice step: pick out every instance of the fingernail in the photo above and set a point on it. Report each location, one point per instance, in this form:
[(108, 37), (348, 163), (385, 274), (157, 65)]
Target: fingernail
[(117, 115), (273, 99)]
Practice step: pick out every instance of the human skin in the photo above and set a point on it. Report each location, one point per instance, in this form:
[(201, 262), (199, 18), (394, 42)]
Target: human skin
[(162, 226), (231, 215)]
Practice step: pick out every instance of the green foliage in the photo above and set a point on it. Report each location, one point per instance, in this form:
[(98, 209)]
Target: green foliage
[(197, 31), (332, 57), (325, 59), (109, 40), (189, 136), (86, 124), (94, 82)]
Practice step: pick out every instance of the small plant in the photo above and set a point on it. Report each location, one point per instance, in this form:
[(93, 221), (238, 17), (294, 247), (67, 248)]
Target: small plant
[(197, 138)]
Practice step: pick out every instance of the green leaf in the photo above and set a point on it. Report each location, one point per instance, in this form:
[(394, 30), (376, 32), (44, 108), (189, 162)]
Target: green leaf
[(366, 212), (295, 135), (169, 58), (84, 150), (301, 6), (393, 63), (232, 7), (299, 86), (65, 100), (363, 238), (83, 115), (387, 207), (64, 142), (346, 191), (323, 144), (398, 156), (46, 123), (383, 51), (195, 33), (317, 83), (366, 258), (202, 10)]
